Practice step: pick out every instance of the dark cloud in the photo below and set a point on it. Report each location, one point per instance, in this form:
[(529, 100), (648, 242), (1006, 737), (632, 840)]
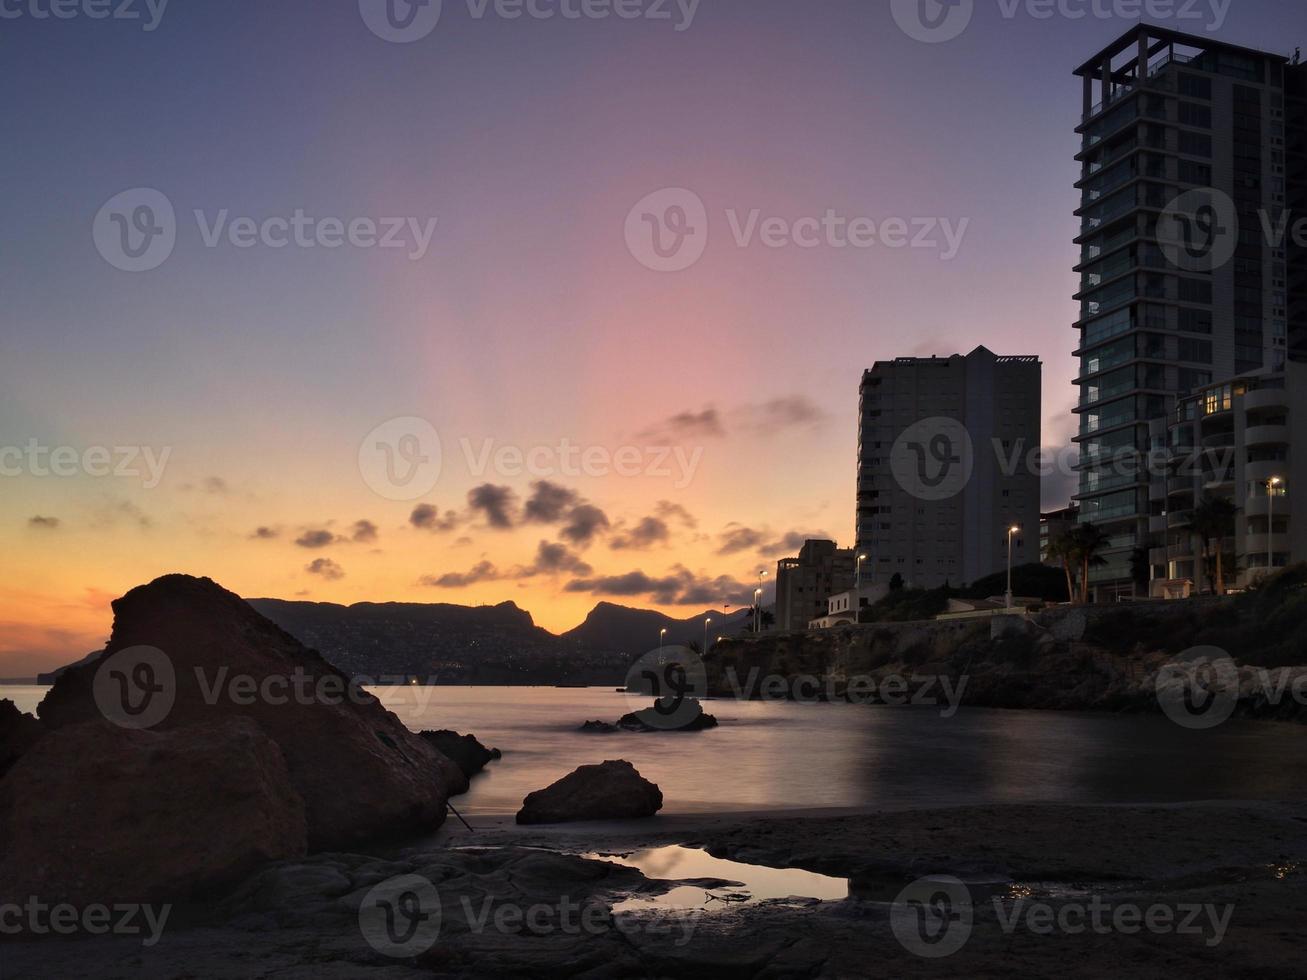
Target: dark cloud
[(114, 512), (737, 538), (316, 538), (686, 425), (215, 485), (43, 523), (265, 533), (680, 587), (326, 568), (481, 572), (429, 518), (771, 417), (790, 543), (364, 532), (495, 503), (583, 523), (554, 558), (669, 511), (646, 534), (549, 502)]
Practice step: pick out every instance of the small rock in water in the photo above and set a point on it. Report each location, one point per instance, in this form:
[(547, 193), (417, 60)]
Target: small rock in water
[(614, 790)]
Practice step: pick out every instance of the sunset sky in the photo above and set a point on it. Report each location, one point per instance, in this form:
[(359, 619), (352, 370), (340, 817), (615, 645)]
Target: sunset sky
[(527, 321)]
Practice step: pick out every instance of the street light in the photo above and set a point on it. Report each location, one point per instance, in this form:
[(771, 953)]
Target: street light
[(1011, 533), (705, 636), (762, 574), (1271, 484), (661, 634), (857, 579)]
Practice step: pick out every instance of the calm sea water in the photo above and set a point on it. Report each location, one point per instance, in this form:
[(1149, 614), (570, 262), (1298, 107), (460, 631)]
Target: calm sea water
[(777, 756)]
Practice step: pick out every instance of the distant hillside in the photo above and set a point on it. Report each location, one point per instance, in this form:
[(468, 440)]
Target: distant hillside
[(446, 643), (501, 644), (611, 628)]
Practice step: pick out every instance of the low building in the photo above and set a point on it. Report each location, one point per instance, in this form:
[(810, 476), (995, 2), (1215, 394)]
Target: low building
[(803, 584), (1233, 440), (842, 609)]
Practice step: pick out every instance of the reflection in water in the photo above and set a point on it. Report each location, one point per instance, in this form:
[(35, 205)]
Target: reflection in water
[(748, 882), (779, 755)]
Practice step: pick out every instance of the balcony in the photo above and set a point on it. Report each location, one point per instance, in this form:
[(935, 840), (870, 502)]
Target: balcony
[(1267, 435), (1266, 398), (1179, 519), (1259, 506), (1263, 470)]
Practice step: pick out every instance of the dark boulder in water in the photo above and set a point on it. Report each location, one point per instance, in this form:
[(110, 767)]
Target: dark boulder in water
[(464, 750), (614, 790)]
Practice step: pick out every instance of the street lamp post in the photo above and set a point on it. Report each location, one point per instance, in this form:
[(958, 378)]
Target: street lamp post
[(706, 623), (857, 578), (662, 633), (1011, 532), (757, 605), (1271, 484)]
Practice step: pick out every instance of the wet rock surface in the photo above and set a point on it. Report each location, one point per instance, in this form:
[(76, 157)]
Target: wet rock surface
[(301, 919), (670, 716)]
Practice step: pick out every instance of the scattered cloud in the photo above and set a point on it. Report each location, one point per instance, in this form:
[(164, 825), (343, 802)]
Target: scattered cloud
[(495, 503), (43, 523), (777, 415), (706, 424), (670, 511), (326, 568), (549, 502), (790, 543), (316, 538), (680, 587), (737, 538), (554, 558), (583, 524), (428, 518), (647, 533), (364, 532), (763, 418), (116, 511), (265, 534), (483, 571)]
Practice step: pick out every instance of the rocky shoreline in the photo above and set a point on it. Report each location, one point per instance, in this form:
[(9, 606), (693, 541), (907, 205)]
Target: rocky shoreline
[(300, 919)]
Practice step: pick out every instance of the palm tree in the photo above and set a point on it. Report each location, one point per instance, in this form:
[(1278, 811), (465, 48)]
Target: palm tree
[(1213, 521), (1089, 540), (1063, 548)]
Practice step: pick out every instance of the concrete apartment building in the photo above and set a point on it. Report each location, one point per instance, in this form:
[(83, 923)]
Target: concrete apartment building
[(1188, 147), (944, 467), (805, 584), (1052, 526), (1236, 440)]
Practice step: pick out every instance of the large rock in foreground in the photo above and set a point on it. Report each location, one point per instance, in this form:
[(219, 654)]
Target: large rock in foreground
[(360, 772), (465, 751), (18, 733), (95, 813), (611, 791)]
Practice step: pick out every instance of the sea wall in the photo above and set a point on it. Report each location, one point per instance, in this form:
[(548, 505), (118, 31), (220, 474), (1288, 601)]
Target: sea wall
[(1066, 657)]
